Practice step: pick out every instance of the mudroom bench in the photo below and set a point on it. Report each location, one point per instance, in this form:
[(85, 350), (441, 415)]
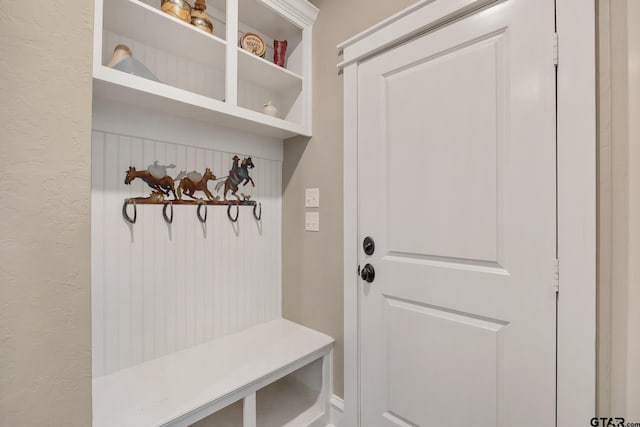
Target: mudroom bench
[(272, 375)]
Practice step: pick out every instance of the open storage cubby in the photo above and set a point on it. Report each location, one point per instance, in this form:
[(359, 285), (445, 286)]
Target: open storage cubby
[(189, 63), (209, 77), (259, 79), (293, 400), (230, 416)]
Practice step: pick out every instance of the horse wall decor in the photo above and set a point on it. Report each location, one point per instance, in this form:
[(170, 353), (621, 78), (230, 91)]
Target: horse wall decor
[(157, 178), (194, 181), (239, 174), (164, 185)]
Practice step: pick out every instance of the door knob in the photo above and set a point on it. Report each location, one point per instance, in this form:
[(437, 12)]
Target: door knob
[(368, 273), (368, 245)]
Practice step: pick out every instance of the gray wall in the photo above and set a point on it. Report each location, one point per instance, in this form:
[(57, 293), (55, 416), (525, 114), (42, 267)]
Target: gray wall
[(45, 142), (312, 262)]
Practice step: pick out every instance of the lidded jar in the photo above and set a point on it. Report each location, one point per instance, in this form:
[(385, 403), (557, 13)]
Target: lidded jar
[(180, 9), (199, 17)]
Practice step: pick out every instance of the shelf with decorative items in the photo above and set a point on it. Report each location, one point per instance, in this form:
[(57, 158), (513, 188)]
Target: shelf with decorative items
[(160, 55), (273, 62)]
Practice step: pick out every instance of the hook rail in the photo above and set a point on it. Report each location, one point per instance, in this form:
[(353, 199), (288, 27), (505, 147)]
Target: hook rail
[(168, 214)]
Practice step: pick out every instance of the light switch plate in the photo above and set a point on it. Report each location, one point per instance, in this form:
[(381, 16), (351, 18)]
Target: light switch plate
[(312, 221), (312, 198)]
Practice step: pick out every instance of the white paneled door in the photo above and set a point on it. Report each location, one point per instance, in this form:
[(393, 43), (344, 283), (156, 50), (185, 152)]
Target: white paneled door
[(457, 188)]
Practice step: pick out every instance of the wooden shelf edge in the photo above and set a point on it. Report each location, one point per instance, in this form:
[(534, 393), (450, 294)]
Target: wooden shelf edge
[(134, 90)]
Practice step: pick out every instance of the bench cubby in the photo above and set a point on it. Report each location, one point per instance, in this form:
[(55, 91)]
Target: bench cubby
[(278, 373)]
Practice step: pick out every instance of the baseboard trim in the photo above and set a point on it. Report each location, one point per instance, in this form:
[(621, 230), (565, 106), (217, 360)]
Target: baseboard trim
[(337, 411)]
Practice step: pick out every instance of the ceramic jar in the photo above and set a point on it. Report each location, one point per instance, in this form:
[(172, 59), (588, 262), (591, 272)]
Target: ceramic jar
[(270, 109), (180, 9)]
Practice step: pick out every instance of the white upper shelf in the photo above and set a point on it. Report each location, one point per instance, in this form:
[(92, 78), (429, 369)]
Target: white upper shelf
[(262, 72), (117, 86), (152, 27)]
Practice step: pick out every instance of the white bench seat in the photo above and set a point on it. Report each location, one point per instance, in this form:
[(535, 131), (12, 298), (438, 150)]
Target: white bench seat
[(184, 387)]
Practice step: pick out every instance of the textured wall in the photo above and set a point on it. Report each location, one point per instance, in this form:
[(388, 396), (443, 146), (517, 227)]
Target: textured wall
[(312, 262), (45, 120)]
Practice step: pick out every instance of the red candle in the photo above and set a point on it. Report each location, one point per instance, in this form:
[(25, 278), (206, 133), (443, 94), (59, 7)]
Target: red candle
[(279, 51)]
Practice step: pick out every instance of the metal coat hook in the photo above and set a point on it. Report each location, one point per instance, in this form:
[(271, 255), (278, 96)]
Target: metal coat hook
[(229, 213), (259, 215), (200, 217), (169, 219), (125, 214)]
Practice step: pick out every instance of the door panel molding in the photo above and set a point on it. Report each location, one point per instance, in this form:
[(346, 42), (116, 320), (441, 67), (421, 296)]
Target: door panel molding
[(448, 262), (448, 314), (473, 376), (474, 68)]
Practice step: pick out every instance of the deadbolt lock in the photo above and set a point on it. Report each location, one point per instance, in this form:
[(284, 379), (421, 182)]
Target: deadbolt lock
[(369, 245)]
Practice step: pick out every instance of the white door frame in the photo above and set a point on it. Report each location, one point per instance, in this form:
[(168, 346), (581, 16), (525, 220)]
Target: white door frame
[(576, 22)]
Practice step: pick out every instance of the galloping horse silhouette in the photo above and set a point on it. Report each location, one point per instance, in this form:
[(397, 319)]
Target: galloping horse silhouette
[(164, 185), (193, 181), (239, 174)]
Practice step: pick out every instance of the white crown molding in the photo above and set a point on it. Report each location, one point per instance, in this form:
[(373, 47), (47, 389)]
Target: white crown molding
[(421, 17), (382, 24), (300, 12)]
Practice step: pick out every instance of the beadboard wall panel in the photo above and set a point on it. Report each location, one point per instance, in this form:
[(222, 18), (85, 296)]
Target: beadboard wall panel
[(170, 69), (159, 288)]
